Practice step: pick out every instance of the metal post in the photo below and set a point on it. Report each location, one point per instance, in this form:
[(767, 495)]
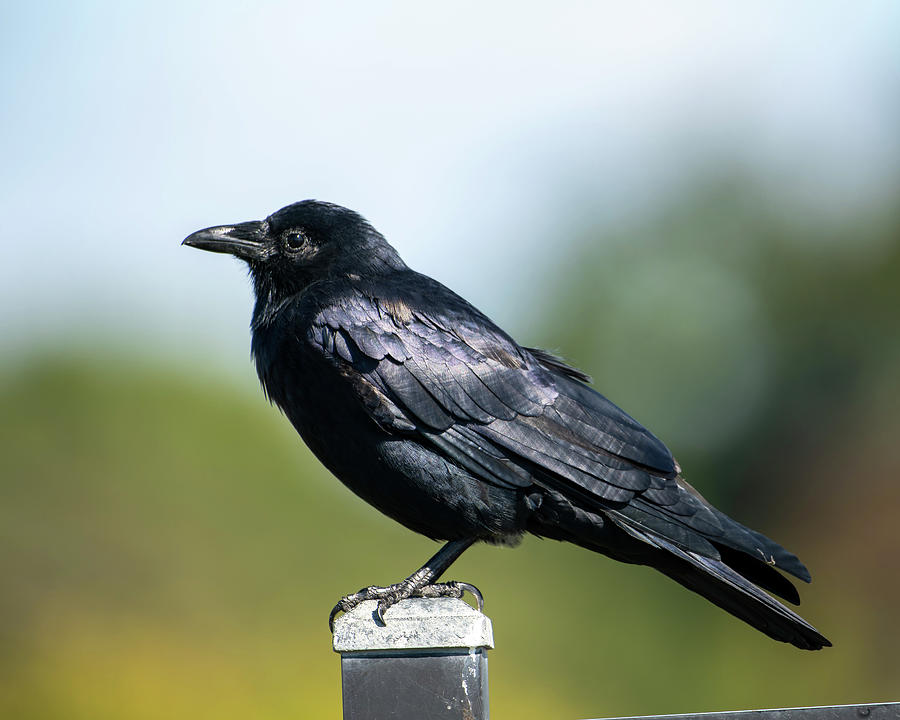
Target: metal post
[(428, 662)]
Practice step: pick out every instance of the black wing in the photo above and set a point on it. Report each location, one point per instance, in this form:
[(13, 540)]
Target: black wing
[(519, 418)]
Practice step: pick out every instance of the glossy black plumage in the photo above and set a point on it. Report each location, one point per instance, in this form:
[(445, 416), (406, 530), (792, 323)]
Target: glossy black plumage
[(426, 409)]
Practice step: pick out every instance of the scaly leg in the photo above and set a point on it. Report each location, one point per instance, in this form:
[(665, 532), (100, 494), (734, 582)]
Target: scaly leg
[(419, 584)]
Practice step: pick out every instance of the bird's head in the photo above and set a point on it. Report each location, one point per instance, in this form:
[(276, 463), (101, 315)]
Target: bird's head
[(300, 244)]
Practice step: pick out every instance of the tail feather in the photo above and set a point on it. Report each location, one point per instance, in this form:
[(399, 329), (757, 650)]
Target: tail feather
[(751, 554), (732, 592), (765, 576), (733, 579), (746, 540)]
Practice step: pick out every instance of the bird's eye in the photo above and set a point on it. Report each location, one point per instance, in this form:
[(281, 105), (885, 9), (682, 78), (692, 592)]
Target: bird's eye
[(295, 240)]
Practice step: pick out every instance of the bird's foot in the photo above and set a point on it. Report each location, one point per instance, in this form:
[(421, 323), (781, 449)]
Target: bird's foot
[(454, 589), (392, 594)]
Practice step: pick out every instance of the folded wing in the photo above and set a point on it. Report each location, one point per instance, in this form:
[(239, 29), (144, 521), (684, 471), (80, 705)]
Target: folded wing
[(521, 418)]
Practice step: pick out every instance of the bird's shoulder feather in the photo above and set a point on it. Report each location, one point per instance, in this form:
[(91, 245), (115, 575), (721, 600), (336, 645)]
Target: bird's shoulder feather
[(450, 368)]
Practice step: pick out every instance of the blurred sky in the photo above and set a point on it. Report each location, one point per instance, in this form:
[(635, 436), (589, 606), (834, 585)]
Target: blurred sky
[(460, 131)]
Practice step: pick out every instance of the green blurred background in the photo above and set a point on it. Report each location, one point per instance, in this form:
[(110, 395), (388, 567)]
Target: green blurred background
[(169, 548)]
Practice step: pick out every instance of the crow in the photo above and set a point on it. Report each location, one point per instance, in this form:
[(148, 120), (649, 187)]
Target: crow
[(426, 409)]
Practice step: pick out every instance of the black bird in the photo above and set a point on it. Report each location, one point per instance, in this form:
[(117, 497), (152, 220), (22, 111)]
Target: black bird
[(430, 412)]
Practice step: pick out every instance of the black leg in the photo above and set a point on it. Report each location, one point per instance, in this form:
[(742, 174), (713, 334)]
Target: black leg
[(420, 583)]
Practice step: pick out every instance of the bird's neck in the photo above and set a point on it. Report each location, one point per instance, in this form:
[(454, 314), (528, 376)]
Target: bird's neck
[(271, 299)]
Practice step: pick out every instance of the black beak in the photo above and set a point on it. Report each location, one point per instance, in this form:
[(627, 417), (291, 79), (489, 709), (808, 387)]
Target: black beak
[(245, 240)]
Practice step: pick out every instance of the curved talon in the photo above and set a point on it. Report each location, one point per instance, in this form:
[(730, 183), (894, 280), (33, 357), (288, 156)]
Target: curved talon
[(379, 612), (334, 612), (345, 604), (476, 593)]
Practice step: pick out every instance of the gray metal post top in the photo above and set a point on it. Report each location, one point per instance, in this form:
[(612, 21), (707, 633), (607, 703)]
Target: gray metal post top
[(418, 623)]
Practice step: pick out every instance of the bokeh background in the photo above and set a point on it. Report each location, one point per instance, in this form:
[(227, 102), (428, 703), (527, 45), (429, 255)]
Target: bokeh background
[(695, 202)]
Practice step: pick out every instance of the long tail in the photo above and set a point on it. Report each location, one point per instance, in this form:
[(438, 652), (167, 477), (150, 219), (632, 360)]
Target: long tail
[(734, 574), (723, 586)]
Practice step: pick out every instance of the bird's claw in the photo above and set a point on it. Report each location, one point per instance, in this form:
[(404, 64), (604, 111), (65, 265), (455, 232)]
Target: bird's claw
[(474, 591), (379, 612), (392, 594), (343, 606), (386, 597), (454, 588)]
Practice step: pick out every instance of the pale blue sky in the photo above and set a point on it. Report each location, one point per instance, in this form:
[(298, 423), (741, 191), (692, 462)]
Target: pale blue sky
[(460, 132)]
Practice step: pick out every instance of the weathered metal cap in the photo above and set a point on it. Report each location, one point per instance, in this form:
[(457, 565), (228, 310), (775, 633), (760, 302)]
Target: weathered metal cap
[(417, 623)]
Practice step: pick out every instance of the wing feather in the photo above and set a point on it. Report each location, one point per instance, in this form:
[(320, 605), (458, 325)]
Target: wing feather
[(518, 418)]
